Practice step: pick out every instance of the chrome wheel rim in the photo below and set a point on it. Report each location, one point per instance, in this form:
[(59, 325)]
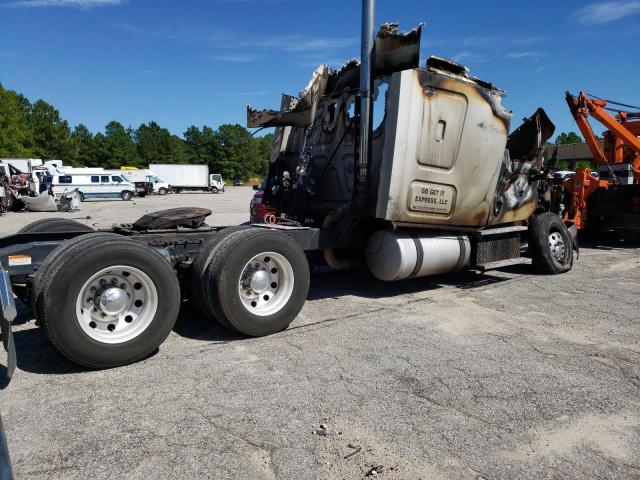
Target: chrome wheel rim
[(116, 304), (557, 246), (266, 284)]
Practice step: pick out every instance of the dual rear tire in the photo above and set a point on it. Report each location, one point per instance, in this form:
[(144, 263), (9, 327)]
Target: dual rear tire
[(252, 281), (105, 300)]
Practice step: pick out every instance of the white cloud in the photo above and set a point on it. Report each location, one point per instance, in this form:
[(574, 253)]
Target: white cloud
[(248, 58), (530, 40), (466, 56), (63, 3), (294, 43), (479, 41), (231, 40), (533, 56), (605, 12)]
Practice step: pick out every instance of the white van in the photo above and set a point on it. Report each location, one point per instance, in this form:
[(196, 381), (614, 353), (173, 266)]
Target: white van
[(92, 185)]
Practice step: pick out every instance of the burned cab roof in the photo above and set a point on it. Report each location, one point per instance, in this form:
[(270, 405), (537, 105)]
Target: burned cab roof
[(395, 51), (446, 65)]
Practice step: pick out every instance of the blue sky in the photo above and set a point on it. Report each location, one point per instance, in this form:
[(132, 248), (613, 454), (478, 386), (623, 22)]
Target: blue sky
[(201, 61)]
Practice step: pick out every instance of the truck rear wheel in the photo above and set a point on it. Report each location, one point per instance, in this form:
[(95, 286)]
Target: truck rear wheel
[(198, 271), (550, 244), (55, 225), (106, 301), (256, 281)]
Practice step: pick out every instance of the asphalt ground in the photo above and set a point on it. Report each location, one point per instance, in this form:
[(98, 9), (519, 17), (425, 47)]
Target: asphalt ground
[(503, 375)]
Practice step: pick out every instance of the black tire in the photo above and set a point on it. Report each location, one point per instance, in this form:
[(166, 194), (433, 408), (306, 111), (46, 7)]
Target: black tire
[(126, 195), (55, 225), (162, 191), (220, 292), (62, 277), (541, 229), (198, 269), (42, 271), (214, 190)]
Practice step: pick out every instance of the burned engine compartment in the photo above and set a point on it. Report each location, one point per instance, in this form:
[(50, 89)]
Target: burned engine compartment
[(441, 155)]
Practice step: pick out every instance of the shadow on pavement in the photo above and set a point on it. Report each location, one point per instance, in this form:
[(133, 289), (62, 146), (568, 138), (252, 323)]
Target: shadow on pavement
[(37, 355), (194, 325), (361, 283)]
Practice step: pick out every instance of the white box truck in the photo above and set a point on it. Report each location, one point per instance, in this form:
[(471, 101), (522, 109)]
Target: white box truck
[(189, 177)]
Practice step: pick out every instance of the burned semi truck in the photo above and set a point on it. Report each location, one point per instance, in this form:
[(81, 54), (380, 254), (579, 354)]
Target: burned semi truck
[(444, 181), (438, 185)]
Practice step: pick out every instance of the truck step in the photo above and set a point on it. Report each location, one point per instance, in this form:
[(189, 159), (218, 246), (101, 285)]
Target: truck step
[(503, 263)]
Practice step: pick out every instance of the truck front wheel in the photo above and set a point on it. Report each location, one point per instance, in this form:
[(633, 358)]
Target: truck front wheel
[(257, 281), (550, 244), (162, 191), (106, 301)]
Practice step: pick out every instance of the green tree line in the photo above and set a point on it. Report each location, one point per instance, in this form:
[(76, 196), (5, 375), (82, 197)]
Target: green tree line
[(36, 130)]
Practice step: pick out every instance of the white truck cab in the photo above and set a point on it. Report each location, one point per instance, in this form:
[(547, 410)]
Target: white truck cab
[(159, 186), (216, 183), (144, 175)]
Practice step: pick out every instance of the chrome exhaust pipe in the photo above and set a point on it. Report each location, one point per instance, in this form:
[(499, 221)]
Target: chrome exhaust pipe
[(366, 95)]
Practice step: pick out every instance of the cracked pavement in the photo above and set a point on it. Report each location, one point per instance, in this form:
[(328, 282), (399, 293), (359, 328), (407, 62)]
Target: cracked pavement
[(502, 375)]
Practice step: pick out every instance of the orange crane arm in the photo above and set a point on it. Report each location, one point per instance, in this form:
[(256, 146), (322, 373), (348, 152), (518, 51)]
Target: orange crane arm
[(580, 113), (582, 107)]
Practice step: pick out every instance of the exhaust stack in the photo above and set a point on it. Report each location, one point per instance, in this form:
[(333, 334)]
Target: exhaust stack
[(366, 98)]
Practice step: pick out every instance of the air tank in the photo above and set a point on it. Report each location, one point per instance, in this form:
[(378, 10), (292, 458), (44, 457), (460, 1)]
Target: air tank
[(399, 255)]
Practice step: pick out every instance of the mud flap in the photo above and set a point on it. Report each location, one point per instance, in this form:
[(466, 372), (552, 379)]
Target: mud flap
[(7, 315)]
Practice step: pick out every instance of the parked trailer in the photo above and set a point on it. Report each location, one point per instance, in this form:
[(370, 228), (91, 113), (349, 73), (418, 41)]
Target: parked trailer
[(189, 177)]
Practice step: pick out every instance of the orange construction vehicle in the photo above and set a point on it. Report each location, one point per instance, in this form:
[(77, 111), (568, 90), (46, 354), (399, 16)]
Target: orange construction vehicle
[(612, 201)]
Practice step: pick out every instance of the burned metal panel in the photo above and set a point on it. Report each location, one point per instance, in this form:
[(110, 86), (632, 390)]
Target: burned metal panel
[(397, 51), (458, 190), (300, 111), (438, 159), (517, 193)]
